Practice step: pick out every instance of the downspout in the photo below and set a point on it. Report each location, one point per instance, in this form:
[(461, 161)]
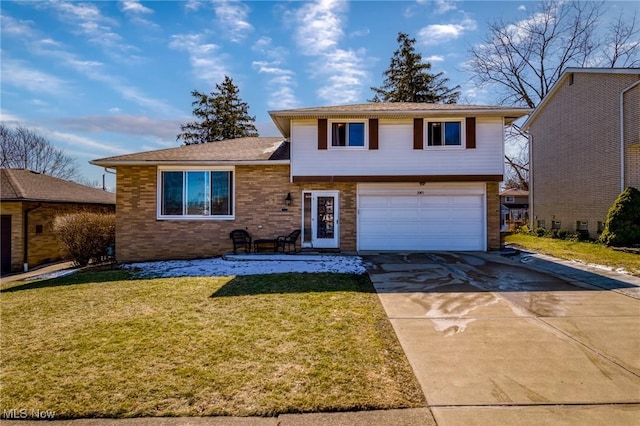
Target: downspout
[(622, 186), (25, 260), (531, 210)]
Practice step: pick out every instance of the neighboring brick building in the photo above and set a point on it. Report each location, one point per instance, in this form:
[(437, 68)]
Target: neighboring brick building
[(29, 202), (584, 147), (379, 176)]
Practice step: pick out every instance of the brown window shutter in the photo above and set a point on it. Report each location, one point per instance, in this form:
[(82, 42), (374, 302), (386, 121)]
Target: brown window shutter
[(471, 132), (373, 133), (418, 133), (322, 133)]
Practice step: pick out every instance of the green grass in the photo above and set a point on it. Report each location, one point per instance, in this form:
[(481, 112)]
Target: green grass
[(107, 344), (580, 251)]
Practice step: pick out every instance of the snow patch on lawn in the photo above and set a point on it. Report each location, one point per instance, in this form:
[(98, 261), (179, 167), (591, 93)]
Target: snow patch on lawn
[(247, 265)]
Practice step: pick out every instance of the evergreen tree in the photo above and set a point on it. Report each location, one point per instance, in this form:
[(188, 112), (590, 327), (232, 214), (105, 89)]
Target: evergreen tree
[(222, 115), (623, 220), (408, 79)]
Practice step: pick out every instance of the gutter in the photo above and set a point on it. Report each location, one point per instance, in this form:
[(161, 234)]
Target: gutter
[(622, 177), (114, 164)]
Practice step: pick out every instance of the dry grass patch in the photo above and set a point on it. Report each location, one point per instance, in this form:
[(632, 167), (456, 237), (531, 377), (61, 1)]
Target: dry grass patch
[(581, 251), (104, 344)]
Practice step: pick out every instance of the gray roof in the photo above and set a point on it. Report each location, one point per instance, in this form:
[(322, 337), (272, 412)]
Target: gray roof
[(25, 185), (283, 118), (230, 151)]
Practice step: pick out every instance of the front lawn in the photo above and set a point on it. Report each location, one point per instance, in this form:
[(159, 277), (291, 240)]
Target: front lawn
[(108, 344), (581, 251)]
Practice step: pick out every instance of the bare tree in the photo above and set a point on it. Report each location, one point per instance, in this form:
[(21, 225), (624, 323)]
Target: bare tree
[(25, 149), (622, 43), (516, 159), (523, 60)]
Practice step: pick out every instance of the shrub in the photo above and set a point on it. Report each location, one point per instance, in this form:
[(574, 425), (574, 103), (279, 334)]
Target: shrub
[(622, 226), (85, 236), (540, 232)]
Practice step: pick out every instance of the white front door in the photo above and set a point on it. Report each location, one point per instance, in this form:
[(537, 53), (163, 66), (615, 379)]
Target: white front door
[(320, 219)]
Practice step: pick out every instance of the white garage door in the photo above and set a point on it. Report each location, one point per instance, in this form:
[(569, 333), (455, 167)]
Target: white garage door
[(414, 217)]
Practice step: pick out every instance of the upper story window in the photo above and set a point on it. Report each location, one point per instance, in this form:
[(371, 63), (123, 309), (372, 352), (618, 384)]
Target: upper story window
[(195, 194), (510, 199), (349, 134), (446, 133)]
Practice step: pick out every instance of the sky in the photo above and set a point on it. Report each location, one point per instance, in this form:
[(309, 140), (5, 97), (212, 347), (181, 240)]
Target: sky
[(106, 78)]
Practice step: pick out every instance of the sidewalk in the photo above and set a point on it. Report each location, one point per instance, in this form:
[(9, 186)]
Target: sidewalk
[(39, 270)]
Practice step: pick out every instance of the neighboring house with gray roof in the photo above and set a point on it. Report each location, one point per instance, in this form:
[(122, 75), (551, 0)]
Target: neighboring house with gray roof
[(378, 176), (29, 202), (584, 147)]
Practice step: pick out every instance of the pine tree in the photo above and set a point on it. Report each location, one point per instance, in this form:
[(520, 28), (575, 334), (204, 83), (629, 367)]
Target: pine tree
[(222, 115), (408, 79)]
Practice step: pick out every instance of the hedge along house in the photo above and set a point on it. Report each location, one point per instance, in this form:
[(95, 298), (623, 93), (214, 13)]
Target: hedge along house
[(380, 176), (29, 202)]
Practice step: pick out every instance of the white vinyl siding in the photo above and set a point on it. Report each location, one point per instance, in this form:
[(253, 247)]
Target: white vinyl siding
[(414, 217), (395, 155)]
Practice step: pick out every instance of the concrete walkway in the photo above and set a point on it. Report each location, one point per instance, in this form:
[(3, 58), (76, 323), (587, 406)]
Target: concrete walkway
[(498, 341)]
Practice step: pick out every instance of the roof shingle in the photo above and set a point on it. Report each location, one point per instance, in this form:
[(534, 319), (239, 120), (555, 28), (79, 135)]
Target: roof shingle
[(230, 150), (25, 185)]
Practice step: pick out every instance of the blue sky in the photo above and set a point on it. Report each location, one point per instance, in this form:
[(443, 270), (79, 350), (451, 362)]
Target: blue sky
[(113, 77)]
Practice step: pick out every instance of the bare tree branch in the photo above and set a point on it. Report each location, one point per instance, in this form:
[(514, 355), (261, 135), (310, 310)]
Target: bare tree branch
[(21, 148)]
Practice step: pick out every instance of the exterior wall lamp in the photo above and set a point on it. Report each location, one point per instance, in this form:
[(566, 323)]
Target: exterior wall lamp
[(288, 199)]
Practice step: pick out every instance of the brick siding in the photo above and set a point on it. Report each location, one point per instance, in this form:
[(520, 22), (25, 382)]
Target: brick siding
[(43, 247), (493, 216), (260, 192), (576, 150)]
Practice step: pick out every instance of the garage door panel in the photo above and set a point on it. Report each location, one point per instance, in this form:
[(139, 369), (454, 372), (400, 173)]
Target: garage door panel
[(403, 201), (421, 222)]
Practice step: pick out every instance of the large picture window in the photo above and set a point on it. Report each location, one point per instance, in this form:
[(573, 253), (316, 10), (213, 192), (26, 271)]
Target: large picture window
[(348, 134), (445, 133), (196, 193)]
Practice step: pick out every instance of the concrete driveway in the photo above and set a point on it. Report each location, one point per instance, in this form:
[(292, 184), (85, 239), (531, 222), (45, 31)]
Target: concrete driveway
[(495, 341)]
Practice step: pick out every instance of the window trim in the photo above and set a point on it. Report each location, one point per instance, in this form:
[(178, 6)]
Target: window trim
[(363, 121), (463, 133), (160, 216)]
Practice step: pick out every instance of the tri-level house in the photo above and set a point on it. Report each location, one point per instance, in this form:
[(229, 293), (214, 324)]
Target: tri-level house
[(584, 147), (367, 177)]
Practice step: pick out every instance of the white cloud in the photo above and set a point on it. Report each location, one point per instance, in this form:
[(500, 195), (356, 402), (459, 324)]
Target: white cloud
[(522, 8), (137, 125), (444, 6), (81, 141), (134, 6), (15, 27), (192, 5), (265, 47), (89, 22), (96, 71), (205, 64), (7, 117), (438, 33), (233, 18), (17, 73), (434, 58), (318, 33), (280, 85), (320, 26)]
